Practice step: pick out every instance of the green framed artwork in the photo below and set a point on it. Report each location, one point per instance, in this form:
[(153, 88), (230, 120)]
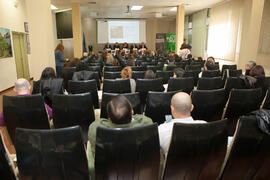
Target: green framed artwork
[(5, 43)]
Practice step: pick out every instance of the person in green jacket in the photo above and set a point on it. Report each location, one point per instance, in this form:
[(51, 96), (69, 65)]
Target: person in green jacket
[(120, 115)]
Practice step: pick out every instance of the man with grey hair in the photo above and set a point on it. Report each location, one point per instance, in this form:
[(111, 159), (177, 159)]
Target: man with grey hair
[(181, 107), (22, 87), (249, 66)]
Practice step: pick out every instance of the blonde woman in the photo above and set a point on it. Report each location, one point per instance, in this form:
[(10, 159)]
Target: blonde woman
[(126, 73)]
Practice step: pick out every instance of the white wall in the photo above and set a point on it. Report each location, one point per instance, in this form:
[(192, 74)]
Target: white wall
[(39, 18), (13, 19), (41, 36)]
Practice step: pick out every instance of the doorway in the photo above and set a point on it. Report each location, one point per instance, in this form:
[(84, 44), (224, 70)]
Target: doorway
[(19, 45)]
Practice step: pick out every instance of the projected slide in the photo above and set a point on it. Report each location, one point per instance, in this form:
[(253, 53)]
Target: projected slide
[(124, 31)]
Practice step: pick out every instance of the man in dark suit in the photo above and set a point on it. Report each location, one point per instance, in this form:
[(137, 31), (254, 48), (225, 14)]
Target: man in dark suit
[(142, 46)]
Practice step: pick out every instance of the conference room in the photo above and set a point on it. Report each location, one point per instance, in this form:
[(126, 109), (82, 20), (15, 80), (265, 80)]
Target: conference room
[(175, 89)]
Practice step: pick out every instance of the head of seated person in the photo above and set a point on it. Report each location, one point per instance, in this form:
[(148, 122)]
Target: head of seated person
[(48, 73), (119, 110), (22, 87), (178, 73), (149, 74), (257, 71), (81, 66), (72, 63), (200, 59), (209, 64), (189, 56), (249, 66), (126, 73), (181, 106)]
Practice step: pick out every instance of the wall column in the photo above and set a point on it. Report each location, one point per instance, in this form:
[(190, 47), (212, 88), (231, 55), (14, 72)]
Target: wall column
[(251, 27), (180, 19), (77, 30)]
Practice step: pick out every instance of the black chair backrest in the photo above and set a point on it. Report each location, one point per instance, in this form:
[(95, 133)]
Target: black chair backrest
[(95, 64), (67, 74), (51, 154), (195, 153), (73, 109), (230, 67), (181, 64), (185, 84), (138, 68), (249, 156), (241, 102), (112, 68), (235, 73), (158, 104), (112, 75), (134, 99), (170, 68), (208, 104), (88, 86), (210, 83), (135, 157), (193, 67), (211, 73), (116, 86), (154, 68), (36, 87), (165, 75), (194, 74), (145, 85), (266, 102), (95, 68), (234, 82), (49, 87), (138, 74), (6, 171), (24, 112)]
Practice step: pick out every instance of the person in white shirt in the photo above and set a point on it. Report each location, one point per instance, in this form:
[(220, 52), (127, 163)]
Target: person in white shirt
[(181, 107)]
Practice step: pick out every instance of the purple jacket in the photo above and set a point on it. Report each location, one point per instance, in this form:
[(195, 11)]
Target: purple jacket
[(49, 110)]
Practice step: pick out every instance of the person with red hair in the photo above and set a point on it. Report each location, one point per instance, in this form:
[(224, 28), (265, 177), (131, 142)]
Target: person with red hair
[(59, 59)]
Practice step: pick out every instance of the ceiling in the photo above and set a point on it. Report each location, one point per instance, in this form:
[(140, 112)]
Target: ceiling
[(118, 8)]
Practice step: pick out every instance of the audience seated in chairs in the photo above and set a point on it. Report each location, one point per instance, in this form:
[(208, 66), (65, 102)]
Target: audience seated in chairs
[(126, 73), (22, 88), (181, 107), (120, 115)]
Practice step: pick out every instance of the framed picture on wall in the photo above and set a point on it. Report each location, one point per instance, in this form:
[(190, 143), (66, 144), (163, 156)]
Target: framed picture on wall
[(5, 43)]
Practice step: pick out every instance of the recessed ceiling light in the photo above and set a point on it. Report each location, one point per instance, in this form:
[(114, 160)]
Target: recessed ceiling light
[(136, 8), (173, 9), (53, 7)]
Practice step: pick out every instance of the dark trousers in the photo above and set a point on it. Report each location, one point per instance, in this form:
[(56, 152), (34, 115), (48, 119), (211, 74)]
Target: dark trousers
[(59, 71)]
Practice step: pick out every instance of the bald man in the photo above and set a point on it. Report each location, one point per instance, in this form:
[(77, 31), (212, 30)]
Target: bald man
[(181, 107), (22, 87)]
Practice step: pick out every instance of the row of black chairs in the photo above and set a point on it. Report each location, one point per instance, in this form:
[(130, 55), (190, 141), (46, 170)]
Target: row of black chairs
[(77, 109), (194, 153)]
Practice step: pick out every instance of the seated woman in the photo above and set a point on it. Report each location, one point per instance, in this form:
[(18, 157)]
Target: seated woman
[(178, 72), (149, 74), (126, 73), (208, 65), (47, 73)]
